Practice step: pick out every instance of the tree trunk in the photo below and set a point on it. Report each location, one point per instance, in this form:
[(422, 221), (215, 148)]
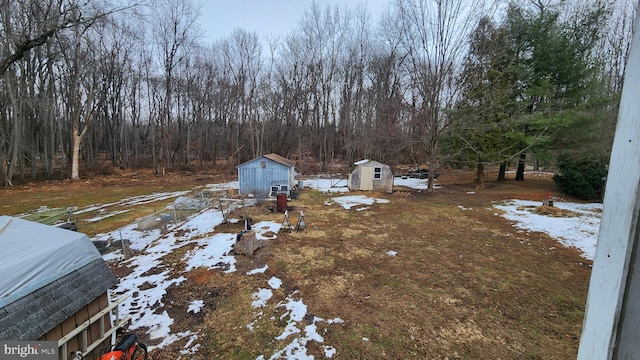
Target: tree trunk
[(520, 171), (33, 163), (188, 149), (430, 179), (75, 157), (502, 172), (432, 151), (3, 171), (480, 176), (11, 159), (154, 152), (79, 135)]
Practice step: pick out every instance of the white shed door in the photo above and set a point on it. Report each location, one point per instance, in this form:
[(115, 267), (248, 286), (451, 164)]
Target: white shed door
[(366, 178)]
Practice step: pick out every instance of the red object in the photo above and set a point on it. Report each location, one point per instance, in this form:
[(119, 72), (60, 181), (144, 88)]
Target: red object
[(113, 355), (281, 202), (127, 349)]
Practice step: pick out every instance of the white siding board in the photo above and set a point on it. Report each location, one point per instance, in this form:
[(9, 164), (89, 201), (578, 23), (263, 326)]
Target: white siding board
[(608, 291)]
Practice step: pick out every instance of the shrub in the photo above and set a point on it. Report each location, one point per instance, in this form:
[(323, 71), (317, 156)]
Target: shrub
[(581, 178)]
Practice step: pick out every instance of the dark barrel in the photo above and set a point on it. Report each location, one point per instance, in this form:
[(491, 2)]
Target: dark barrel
[(281, 202)]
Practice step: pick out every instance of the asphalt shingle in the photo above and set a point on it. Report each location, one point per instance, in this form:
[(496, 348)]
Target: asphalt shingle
[(33, 315)]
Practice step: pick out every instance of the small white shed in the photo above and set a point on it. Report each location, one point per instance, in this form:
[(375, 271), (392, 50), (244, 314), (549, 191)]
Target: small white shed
[(371, 175)]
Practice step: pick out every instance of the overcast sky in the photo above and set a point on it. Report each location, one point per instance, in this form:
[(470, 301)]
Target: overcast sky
[(266, 17)]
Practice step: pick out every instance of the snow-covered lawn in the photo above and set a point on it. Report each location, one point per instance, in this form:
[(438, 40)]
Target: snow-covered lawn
[(580, 231), (149, 277), (339, 185), (132, 201), (350, 201), (335, 185)]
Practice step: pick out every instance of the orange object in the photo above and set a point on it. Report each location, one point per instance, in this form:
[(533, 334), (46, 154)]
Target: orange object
[(113, 355), (127, 349)]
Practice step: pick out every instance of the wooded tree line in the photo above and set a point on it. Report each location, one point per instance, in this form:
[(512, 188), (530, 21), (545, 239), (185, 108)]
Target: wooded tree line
[(435, 82)]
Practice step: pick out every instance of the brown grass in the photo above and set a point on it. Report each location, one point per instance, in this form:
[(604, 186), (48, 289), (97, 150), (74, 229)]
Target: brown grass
[(463, 285)]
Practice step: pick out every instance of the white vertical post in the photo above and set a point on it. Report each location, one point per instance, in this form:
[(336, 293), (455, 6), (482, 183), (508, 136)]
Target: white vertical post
[(610, 303), (83, 339), (63, 351)]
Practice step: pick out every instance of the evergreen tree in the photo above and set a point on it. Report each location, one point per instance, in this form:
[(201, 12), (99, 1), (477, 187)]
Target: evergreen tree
[(483, 128), (561, 98), (530, 85)]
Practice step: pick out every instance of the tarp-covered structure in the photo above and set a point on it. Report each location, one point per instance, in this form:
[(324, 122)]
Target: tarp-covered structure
[(371, 175), (50, 280)]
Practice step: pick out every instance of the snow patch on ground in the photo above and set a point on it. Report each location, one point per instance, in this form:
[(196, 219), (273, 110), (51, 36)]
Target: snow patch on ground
[(258, 270), (340, 185), (275, 283), (578, 231), (350, 201), (335, 185), (301, 328), (261, 297), (195, 306), (211, 253), (105, 216), (150, 278), (133, 201), (419, 184)]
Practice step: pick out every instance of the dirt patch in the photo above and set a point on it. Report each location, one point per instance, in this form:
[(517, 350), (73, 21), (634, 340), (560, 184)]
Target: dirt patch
[(554, 211), (203, 276)]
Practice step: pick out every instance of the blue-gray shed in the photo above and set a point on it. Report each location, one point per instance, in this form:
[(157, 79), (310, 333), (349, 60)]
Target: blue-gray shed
[(266, 175)]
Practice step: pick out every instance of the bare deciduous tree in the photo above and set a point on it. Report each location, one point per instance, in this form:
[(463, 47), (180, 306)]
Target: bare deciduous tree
[(175, 32), (434, 36), (333, 89), (81, 80)]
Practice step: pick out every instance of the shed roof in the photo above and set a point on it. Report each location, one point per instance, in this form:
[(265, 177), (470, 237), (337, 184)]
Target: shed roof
[(275, 157), (35, 314), (48, 274), (368, 163)]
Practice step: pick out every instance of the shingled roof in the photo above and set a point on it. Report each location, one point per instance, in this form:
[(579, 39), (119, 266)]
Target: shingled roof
[(48, 275), (280, 159), (273, 157)]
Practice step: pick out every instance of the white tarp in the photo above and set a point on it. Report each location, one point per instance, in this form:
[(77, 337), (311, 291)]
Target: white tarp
[(34, 255)]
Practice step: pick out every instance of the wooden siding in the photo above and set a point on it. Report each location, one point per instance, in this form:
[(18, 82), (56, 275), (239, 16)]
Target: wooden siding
[(78, 318)]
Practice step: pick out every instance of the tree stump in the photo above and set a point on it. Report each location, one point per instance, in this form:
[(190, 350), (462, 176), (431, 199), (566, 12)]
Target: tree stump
[(247, 243)]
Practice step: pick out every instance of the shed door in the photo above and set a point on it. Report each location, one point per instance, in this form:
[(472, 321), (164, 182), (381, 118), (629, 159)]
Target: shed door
[(366, 178)]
